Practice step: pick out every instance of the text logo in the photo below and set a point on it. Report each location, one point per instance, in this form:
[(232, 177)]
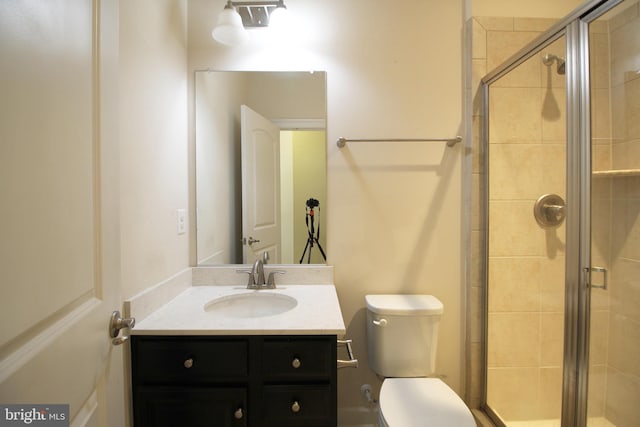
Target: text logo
[(34, 415)]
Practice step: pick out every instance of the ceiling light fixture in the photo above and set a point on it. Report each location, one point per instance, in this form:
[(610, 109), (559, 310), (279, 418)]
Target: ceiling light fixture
[(237, 16)]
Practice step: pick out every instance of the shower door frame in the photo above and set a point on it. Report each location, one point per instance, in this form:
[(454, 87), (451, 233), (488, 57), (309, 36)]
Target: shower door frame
[(578, 193)]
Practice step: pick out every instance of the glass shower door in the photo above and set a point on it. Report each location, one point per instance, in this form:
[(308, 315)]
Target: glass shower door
[(614, 335), (526, 239)]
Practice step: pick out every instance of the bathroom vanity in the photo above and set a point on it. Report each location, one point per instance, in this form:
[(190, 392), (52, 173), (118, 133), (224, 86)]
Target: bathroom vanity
[(229, 356), (234, 381)]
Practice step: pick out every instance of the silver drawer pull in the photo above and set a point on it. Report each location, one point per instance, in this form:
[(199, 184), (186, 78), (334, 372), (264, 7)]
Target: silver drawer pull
[(238, 414), (296, 363), (188, 363), (295, 407), (352, 362)]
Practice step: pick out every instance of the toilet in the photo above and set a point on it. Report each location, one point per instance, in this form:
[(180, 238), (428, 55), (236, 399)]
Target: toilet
[(402, 337)]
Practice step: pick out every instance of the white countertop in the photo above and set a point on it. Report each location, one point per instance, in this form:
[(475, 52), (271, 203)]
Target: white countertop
[(317, 313)]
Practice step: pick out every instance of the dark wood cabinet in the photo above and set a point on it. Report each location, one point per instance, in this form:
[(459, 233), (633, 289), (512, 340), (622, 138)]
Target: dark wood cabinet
[(255, 381)]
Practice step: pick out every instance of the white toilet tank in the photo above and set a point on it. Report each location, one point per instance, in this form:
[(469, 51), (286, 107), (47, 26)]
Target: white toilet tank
[(403, 334)]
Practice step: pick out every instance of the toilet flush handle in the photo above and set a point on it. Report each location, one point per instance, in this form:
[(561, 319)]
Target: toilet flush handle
[(382, 322)]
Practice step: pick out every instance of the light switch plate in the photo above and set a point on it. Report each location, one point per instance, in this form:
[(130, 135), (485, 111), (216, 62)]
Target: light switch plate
[(182, 220)]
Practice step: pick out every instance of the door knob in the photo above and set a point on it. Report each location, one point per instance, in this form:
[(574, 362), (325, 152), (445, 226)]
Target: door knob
[(116, 322), (251, 240)]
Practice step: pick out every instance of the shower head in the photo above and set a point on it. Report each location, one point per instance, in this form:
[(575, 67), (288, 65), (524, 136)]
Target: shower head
[(548, 60)]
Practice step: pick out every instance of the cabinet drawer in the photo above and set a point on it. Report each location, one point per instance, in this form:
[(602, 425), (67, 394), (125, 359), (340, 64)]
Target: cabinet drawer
[(193, 407), (298, 359), (304, 405), (188, 360)]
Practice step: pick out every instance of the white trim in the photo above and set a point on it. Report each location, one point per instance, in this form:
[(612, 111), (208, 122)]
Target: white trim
[(296, 124)]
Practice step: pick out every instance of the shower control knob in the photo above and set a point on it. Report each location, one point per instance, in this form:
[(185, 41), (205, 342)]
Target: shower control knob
[(296, 363), (295, 407), (188, 363)]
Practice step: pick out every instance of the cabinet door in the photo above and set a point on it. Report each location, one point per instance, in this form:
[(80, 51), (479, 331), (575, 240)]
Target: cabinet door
[(189, 407)]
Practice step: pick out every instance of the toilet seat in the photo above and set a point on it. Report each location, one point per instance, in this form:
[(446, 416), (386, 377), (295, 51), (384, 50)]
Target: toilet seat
[(422, 402)]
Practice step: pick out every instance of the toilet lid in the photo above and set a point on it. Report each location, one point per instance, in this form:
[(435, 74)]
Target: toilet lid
[(404, 305), (420, 402)]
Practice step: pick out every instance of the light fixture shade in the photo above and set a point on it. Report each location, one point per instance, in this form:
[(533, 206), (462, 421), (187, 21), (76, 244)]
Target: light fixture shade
[(280, 19), (229, 29)]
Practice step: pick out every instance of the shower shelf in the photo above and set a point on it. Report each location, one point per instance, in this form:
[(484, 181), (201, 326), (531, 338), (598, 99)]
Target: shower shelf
[(616, 173)]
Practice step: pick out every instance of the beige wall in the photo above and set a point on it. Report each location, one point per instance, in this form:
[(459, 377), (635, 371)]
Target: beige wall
[(395, 210), (153, 140), (523, 8)]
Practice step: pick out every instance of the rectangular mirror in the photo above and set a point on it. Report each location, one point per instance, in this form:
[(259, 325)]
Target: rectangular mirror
[(260, 167)]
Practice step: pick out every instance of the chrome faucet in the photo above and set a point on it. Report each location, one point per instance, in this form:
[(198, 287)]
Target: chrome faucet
[(257, 278), (257, 271)]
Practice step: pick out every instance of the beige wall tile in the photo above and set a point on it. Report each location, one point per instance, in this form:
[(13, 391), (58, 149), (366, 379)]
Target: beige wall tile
[(624, 345), (626, 155), (477, 317), (478, 40), (476, 182), (533, 24), (552, 274), (477, 263), (625, 288), (600, 114), (618, 114), (526, 171), (554, 114), (622, 408), (514, 284), (515, 114), (514, 340), (626, 228), (514, 392), (495, 23), (500, 46), (477, 368), (601, 156), (551, 339), (632, 106), (596, 390), (624, 42), (598, 337), (600, 61), (550, 393), (513, 231)]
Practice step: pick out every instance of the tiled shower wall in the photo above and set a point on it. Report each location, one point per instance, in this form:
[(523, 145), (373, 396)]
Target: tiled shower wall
[(531, 285), (615, 388), (526, 262)]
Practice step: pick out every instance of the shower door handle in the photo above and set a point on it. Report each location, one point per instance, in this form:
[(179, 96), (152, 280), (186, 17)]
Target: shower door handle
[(605, 278)]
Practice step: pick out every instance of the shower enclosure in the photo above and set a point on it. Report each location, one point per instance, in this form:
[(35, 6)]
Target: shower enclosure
[(561, 192)]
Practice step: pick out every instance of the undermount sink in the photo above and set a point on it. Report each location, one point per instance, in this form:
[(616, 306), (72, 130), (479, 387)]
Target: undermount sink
[(248, 305)]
